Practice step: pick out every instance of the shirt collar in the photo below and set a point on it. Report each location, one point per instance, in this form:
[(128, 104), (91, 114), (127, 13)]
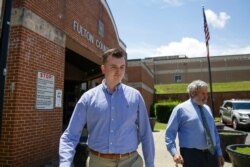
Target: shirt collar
[(105, 87), (195, 104)]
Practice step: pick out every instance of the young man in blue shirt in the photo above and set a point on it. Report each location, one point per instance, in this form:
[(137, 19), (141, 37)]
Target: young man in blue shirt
[(116, 119)]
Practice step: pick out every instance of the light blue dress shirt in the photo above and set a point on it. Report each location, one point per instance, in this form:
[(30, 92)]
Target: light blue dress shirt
[(117, 122), (186, 121)]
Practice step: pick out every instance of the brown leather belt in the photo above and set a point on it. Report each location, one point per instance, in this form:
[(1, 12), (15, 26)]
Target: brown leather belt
[(110, 156)]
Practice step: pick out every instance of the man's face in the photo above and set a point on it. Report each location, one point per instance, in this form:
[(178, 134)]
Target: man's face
[(114, 69), (200, 97)]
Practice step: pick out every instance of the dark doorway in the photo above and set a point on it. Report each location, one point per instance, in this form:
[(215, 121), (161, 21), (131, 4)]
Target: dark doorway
[(81, 74)]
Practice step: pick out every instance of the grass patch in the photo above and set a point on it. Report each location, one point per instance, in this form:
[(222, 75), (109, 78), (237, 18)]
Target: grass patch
[(171, 88), (243, 150), (217, 119), (160, 126), (230, 133), (217, 87)]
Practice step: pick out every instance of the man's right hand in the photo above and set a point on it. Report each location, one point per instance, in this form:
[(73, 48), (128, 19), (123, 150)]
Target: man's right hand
[(178, 159)]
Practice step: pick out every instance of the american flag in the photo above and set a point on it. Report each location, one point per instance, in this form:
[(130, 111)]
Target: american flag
[(207, 36)]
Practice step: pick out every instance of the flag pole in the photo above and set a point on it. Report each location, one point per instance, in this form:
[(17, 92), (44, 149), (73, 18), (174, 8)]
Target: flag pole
[(207, 37), (210, 80)]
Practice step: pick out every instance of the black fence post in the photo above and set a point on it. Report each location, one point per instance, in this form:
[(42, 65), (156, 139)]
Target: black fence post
[(4, 51)]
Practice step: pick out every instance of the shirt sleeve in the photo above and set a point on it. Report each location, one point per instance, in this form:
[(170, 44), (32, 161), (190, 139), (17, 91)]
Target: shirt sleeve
[(145, 135), (171, 132), (217, 142), (72, 134)]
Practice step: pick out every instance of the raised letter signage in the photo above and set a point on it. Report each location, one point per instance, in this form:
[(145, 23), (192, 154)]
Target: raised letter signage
[(84, 33)]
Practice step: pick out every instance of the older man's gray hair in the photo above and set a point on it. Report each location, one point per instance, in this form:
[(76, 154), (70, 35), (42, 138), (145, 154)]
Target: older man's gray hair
[(195, 85)]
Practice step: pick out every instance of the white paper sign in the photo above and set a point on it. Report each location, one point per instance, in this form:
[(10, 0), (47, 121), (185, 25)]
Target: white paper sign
[(58, 102), (45, 91)]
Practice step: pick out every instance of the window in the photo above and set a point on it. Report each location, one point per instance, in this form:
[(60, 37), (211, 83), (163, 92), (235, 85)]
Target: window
[(100, 28), (228, 104), (242, 106), (1, 12), (177, 78)]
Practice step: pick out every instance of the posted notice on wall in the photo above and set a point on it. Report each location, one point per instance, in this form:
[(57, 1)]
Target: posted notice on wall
[(58, 102), (45, 89)]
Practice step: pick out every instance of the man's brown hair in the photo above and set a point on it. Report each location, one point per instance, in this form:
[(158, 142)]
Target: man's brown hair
[(114, 53)]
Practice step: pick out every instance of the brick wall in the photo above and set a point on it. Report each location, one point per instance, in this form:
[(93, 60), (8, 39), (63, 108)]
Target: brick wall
[(62, 13), (140, 77), (148, 98), (40, 32), (223, 69), (29, 135)]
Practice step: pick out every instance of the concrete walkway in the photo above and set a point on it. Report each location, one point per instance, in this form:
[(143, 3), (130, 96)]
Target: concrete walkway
[(162, 156)]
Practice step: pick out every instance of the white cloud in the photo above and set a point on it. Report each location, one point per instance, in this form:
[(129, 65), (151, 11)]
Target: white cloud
[(217, 21), (187, 46)]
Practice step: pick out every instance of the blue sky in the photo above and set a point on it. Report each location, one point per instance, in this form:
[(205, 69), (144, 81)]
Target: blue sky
[(175, 27)]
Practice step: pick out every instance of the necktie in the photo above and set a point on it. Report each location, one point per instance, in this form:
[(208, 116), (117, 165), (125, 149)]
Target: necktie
[(207, 132)]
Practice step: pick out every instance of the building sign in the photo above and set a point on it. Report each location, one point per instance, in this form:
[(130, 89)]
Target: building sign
[(88, 36), (45, 91)]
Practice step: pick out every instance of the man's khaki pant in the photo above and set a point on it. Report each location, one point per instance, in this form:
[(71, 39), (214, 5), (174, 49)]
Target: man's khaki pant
[(133, 160)]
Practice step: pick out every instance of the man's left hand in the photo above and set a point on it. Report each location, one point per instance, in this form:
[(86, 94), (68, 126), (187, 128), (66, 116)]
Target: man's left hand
[(221, 161)]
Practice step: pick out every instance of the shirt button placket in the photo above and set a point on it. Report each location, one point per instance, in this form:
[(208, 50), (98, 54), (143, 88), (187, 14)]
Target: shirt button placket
[(112, 124)]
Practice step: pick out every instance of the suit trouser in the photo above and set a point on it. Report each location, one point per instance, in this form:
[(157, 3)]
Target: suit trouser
[(133, 160), (198, 158)]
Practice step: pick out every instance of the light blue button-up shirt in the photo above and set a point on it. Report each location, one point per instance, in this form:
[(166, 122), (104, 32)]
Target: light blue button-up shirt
[(117, 122), (187, 122)]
